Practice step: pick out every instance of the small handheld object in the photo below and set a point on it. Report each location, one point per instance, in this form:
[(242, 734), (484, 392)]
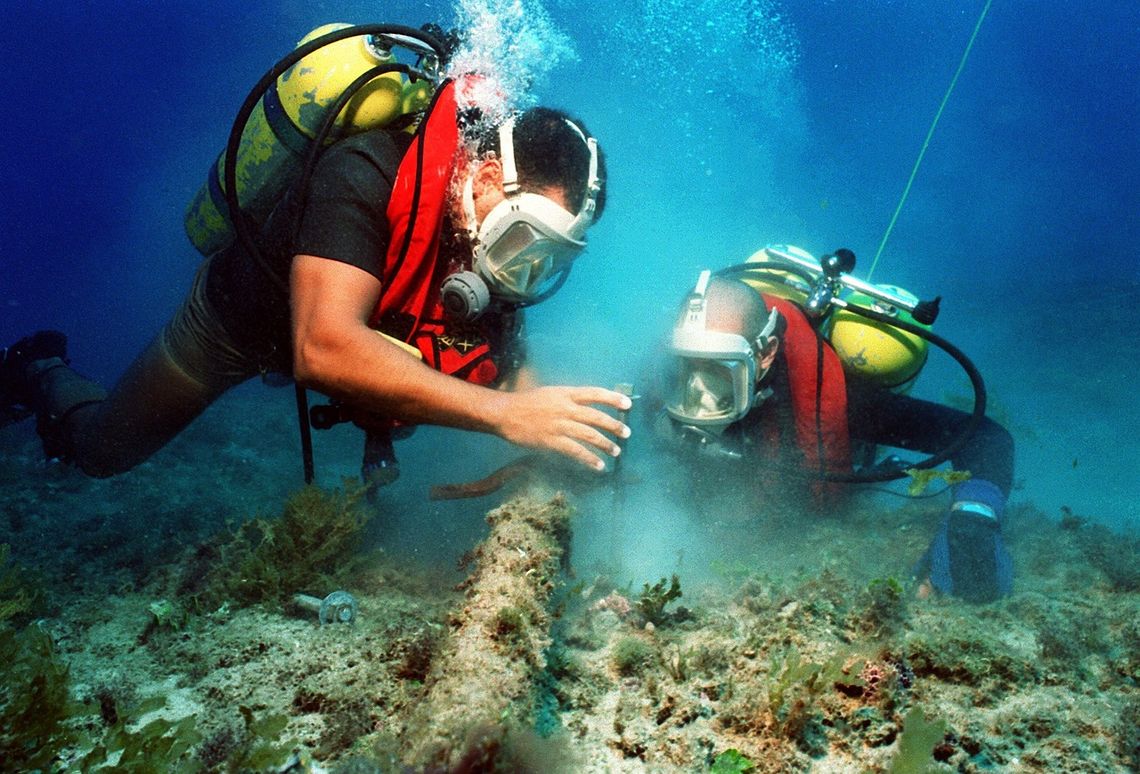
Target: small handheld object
[(337, 607)]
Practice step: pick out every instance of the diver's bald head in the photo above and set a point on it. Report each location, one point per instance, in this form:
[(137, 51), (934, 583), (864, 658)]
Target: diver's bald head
[(733, 307)]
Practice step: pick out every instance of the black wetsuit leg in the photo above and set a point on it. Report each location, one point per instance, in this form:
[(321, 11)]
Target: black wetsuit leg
[(183, 370), (882, 417)]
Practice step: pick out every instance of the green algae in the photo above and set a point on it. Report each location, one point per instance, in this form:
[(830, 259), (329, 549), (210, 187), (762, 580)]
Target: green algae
[(1044, 680), (309, 548), (732, 761), (653, 599), (632, 656), (15, 597), (921, 479), (40, 722), (795, 691), (35, 703), (916, 744)]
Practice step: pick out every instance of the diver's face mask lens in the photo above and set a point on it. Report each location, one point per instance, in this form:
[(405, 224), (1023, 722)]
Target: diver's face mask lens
[(528, 241), (520, 256), (707, 392), (704, 389), (712, 377)]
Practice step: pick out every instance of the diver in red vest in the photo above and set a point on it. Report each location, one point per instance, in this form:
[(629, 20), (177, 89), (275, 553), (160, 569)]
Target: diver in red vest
[(437, 241), (751, 382)]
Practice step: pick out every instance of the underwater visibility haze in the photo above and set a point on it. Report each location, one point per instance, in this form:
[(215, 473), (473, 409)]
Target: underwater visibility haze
[(796, 642)]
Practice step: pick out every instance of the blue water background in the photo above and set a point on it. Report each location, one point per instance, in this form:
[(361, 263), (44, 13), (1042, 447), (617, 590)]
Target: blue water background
[(728, 125)]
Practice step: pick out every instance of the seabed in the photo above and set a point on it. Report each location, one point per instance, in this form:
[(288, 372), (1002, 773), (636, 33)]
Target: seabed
[(147, 624)]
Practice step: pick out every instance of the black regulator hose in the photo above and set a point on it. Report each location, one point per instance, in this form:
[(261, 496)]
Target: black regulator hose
[(969, 427), (760, 267)]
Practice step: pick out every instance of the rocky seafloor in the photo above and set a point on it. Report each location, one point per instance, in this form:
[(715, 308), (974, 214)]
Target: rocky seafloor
[(148, 624)]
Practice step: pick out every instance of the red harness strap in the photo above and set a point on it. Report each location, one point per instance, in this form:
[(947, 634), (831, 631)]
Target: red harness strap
[(413, 269), (818, 394)]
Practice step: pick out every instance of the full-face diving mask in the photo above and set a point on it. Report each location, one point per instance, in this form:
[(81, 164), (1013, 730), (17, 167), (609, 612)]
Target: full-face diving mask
[(712, 380), (527, 241)]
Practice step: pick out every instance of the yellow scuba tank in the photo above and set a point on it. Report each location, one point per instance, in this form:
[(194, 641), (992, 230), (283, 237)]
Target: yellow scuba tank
[(772, 281), (284, 122), (872, 351), (882, 354)]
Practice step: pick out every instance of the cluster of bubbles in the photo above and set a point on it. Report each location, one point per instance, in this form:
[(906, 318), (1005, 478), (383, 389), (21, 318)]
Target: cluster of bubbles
[(693, 44), (514, 45), (721, 32), (737, 57), (709, 64)]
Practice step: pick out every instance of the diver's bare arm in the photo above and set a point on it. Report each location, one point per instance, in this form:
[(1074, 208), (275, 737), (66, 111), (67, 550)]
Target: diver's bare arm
[(336, 353)]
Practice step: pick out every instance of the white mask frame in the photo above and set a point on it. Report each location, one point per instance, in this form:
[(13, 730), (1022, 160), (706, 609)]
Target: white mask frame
[(528, 239), (694, 346)]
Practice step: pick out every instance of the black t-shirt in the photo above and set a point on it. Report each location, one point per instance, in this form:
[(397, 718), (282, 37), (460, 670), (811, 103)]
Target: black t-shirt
[(339, 215)]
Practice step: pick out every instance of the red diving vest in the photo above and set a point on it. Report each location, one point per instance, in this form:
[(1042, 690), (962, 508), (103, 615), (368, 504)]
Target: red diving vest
[(410, 307), (818, 397)]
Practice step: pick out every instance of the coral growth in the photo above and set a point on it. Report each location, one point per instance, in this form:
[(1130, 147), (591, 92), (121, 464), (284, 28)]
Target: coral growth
[(1114, 555), (807, 655), (481, 688), (883, 608)]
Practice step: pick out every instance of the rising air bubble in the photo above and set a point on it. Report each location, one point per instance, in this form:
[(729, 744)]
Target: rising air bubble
[(515, 45)]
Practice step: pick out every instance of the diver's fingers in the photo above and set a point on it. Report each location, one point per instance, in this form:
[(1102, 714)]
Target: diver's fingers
[(592, 418), (562, 419), (600, 395), (575, 451), (590, 436)]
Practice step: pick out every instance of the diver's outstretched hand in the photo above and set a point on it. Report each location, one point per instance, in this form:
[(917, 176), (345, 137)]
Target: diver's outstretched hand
[(563, 420)]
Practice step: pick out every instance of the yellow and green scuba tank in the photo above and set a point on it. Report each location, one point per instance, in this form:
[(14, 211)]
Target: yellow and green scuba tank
[(769, 278), (288, 116), (870, 350), (884, 355)]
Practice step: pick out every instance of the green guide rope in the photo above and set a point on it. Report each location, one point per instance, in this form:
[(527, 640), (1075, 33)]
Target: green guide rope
[(929, 134)]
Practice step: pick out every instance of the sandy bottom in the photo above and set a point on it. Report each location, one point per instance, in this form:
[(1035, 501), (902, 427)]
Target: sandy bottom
[(793, 646)]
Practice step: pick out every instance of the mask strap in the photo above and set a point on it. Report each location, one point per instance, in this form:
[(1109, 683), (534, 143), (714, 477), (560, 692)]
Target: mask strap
[(469, 206), (696, 308), (763, 393), (593, 182), (769, 330), (507, 155), (585, 214)]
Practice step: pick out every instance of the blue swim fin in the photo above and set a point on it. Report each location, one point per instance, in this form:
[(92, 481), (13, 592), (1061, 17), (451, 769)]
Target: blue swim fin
[(968, 557)]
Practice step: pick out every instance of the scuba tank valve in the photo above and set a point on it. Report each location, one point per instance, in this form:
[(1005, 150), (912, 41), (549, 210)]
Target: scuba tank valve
[(874, 351), (831, 274)]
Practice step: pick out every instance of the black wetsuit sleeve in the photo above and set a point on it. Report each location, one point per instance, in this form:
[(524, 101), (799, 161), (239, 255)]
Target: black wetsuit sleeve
[(882, 417), (345, 208)]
